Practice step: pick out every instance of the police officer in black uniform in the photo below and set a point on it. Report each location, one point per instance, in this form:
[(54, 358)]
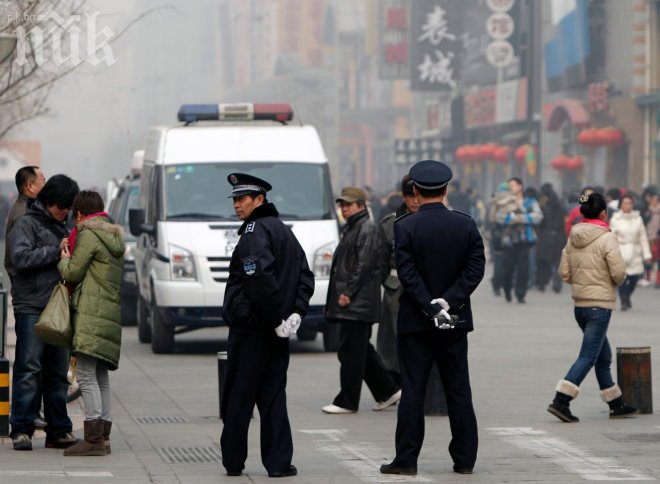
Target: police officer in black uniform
[(267, 295), (440, 262)]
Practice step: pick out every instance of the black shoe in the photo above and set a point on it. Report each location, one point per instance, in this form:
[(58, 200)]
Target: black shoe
[(507, 296), (394, 469), (562, 412), (521, 300), (623, 411), (291, 472), (497, 292), (463, 470)]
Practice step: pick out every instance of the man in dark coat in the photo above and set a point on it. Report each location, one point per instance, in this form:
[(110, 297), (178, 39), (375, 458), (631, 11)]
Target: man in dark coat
[(35, 246), (440, 262), (266, 297), (354, 302)]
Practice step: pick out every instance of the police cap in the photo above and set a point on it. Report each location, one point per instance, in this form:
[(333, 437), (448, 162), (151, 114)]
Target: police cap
[(430, 174), (244, 184)]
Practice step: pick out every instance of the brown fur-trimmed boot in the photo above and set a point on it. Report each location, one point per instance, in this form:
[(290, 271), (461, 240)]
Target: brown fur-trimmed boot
[(107, 427), (93, 444)]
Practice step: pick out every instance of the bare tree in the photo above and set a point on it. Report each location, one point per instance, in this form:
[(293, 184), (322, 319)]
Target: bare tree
[(54, 39)]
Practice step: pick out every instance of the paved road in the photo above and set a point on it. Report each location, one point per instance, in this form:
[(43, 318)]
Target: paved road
[(166, 406)]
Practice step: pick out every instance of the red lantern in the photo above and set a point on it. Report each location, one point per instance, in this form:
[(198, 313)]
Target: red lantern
[(559, 162), (487, 151), (521, 152), (588, 137), (574, 163), (501, 154), (472, 152), (610, 136), (459, 154)]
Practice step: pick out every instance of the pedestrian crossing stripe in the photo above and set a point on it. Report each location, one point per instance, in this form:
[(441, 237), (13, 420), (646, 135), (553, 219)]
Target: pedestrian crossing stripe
[(572, 458)]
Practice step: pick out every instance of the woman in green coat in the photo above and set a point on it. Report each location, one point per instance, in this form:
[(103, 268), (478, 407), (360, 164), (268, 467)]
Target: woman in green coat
[(92, 261)]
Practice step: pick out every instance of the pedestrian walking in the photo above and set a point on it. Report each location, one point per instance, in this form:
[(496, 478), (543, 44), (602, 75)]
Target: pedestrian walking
[(386, 340), (551, 239), (628, 227), (35, 247), (503, 202), (519, 236), (591, 262), (440, 262), (266, 297), (353, 302), (92, 261), (653, 233)]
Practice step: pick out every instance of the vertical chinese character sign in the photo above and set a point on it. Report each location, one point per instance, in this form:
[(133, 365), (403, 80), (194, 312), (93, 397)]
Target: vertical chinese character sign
[(435, 44)]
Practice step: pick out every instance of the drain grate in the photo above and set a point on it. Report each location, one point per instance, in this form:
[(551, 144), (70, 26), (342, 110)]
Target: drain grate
[(190, 455), (161, 419), (646, 438)]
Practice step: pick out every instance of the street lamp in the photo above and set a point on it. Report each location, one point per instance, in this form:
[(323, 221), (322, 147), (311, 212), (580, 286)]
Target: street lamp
[(7, 46)]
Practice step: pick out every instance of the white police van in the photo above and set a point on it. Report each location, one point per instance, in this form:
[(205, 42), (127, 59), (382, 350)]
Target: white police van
[(186, 225)]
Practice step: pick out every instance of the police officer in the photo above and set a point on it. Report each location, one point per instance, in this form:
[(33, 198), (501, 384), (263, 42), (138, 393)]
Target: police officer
[(267, 295), (440, 262)]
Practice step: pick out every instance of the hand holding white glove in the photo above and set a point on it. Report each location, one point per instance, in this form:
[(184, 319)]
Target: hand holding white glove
[(441, 302), (443, 314), (283, 330), (293, 322)]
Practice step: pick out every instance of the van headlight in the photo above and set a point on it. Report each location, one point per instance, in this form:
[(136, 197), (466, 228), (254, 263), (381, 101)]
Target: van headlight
[(182, 264), (323, 260), (129, 247)]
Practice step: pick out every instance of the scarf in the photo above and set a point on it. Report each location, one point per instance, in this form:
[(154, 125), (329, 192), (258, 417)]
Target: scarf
[(74, 232), (596, 221)]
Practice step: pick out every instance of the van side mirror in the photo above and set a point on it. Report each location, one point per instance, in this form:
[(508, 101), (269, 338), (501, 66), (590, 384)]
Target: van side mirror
[(136, 222)]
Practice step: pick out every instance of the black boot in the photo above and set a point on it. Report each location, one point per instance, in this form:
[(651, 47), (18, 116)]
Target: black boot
[(619, 409), (565, 392)]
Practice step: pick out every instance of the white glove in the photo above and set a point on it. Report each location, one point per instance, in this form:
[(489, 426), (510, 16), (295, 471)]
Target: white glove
[(293, 322), (283, 330), (443, 314), (441, 302)]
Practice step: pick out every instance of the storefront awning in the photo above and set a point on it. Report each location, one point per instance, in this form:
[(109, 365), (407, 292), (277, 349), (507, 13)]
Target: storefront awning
[(558, 112)]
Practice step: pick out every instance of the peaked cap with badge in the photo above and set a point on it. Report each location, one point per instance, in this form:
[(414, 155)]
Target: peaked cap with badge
[(430, 174), (244, 184)]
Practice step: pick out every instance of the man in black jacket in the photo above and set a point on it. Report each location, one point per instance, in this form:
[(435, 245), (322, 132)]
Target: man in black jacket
[(354, 303), (35, 246), (440, 262), (266, 297)]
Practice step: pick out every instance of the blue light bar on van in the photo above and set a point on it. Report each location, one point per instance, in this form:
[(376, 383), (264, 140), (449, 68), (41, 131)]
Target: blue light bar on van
[(191, 113)]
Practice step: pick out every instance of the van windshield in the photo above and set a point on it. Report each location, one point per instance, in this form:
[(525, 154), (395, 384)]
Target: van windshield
[(200, 191)]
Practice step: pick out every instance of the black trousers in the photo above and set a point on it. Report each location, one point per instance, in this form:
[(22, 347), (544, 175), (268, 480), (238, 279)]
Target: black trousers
[(359, 361), (515, 261), (417, 353), (256, 374)]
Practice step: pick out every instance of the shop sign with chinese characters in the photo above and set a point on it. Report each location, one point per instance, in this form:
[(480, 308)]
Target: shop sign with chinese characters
[(412, 150)]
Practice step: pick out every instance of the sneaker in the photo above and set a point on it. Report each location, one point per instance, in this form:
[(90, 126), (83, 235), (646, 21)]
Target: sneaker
[(623, 411), (63, 442), (22, 442), (644, 282), (562, 412), (39, 423), (334, 409), (389, 402)]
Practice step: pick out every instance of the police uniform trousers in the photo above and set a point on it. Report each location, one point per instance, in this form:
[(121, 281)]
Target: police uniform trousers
[(359, 361), (256, 374), (417, 352)]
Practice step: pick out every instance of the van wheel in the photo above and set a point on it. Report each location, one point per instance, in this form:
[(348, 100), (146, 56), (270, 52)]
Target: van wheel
[(331, 337), (162, 338), (143, 327)]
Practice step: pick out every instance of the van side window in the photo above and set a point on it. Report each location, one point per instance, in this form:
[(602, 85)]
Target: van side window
[(153, 204)]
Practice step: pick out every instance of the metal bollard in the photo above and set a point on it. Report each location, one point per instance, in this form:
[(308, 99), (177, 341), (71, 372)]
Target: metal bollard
[(222, 367), (634, 376), (435, 402), (4, 396)]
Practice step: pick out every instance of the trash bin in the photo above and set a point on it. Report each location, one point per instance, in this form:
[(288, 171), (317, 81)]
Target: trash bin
[(222, 367), (634, 376)]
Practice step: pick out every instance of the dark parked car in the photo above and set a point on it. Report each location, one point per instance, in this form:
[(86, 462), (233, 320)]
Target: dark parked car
[(125, 199)]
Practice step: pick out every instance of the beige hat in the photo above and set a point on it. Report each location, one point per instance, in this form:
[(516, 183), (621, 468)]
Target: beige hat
[(352, 194)]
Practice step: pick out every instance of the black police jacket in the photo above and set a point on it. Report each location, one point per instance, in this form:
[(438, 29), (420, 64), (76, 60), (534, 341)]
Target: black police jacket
[(355, 271), (34, 249), (269, 278), (439, 254)]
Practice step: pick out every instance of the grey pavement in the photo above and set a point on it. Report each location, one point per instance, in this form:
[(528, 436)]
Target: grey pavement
[(167, 428)]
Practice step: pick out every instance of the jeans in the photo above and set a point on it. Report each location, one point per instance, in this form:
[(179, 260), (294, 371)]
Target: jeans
[(38, 366), (595, 350), (92, 376)]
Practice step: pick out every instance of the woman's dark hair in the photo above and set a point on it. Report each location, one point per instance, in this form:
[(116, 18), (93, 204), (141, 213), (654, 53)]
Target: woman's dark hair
[(593, 205), (623, 197), (59, 190), (87, 202), (407, 186), (551, 196)]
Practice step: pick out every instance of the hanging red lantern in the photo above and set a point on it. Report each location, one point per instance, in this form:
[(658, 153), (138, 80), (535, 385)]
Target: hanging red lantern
[(521, 152), (472, 152), (588, 137), (487, 151), (459, 154), (610, 136), (501, 154), (574, 163), (559, 162)]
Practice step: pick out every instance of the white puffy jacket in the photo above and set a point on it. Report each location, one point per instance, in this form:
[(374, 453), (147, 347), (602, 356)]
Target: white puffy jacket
[(633, 242)]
